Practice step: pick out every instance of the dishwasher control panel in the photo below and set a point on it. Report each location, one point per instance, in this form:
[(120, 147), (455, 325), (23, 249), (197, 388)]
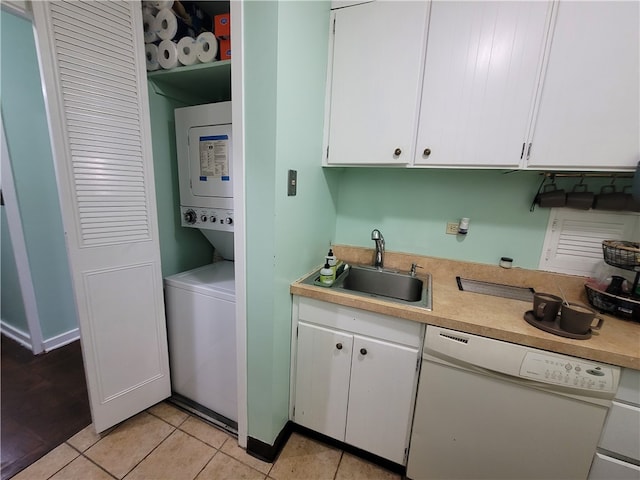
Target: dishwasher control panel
[(569, 372)]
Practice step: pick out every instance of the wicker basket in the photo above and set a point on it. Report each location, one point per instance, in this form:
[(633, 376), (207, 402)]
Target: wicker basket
[(623, 307), (622, 254)]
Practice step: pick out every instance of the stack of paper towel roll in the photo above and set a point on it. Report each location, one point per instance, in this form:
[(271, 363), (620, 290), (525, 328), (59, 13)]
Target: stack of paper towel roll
[(170, 41)]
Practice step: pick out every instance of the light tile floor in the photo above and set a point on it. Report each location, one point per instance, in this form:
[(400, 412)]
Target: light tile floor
[(166, 443)]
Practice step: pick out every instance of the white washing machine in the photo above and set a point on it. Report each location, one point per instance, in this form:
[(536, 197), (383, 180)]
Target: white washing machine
[(200, 306), (200, 303)]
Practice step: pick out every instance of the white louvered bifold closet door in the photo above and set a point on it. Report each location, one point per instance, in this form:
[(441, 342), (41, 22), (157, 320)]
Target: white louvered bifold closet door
[(93, 67)]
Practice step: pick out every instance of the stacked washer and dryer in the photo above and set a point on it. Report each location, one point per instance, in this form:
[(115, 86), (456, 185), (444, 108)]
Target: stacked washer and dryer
[(200, 303)]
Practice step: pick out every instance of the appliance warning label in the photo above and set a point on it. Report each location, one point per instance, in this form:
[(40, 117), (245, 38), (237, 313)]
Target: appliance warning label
[(214, 157)]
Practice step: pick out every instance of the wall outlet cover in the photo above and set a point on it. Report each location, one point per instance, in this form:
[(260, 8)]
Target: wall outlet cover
[(452, 228)]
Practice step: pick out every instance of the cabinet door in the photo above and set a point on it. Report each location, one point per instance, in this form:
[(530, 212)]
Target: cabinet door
[(377, 62), (481, 71), (381, 393), (322, 379), (588, 114)]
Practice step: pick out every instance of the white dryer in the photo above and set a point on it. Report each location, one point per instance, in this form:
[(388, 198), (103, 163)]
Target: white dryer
[(205, 171), (200, 305)]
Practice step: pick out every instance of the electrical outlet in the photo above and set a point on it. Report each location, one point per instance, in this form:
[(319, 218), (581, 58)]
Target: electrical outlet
[(452, 228)]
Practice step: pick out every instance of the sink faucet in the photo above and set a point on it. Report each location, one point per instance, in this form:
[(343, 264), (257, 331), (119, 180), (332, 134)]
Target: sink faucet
[(377, 237)]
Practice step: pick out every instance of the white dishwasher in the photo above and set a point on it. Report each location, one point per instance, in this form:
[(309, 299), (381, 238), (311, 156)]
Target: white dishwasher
[(618, 454), (495, 410)]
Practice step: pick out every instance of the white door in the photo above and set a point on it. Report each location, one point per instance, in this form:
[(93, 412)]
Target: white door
[(375, 84), (323, 364), (92, 61), (481, 72), (589, 109), (382, 387)]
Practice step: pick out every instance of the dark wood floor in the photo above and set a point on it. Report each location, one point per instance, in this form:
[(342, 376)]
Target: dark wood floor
[(44, 402)]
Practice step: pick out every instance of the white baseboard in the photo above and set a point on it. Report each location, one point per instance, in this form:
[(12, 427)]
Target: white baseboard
[(16, 334), (49, 344), (61, 340)]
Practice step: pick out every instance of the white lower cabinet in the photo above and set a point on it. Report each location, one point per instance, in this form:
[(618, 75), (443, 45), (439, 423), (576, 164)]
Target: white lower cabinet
[(322, 379), (355, 375)]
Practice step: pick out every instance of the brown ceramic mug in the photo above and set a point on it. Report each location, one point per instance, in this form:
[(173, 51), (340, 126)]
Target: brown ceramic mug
[(578, 318), (551, 196), (580, 197), (546, 306), (610, 199)]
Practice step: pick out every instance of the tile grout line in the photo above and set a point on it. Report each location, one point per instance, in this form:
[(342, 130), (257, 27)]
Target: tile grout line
[(151, 451), (207, 463), (80, 454), (200, 440), (244, 463), (335, 475), (56, 472), (164, 420), (100, 467), (219, 449)]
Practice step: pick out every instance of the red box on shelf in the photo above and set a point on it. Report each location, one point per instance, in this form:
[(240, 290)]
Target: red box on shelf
[(222, 25), (224, 47)]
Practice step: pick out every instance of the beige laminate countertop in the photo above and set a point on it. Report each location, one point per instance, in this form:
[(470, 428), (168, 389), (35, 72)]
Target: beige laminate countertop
[(617, 343)]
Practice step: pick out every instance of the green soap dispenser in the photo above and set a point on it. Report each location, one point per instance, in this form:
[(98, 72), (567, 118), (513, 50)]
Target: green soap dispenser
[(327, 275)]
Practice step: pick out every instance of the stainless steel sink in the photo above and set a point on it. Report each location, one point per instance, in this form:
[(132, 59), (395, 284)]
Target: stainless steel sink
[(385, 284)]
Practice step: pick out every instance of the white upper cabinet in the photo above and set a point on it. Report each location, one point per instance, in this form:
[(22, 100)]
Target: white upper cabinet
[(588, 115), (528, 84), (482, 67), (375, 81)]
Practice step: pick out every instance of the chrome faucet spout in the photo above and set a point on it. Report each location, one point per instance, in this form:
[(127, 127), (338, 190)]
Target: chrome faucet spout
[(377, 237)]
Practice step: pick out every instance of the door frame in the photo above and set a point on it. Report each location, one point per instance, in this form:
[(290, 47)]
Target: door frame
[(16, 234), (237, 119)]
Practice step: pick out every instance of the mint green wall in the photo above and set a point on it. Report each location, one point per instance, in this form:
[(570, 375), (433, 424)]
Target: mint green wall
[(27, 134), (285, 48), (412, 208), (11, 303), (181, 248), (260, 73)]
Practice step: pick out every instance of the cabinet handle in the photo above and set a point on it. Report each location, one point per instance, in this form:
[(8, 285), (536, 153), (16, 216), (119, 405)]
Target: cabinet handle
[(426, 152), (397, 152), (363, 351), (339, 346)]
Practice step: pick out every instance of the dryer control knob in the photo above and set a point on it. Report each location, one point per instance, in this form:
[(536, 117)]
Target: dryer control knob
[(212, 219), (228, 220), (190, 217), (203, 218)]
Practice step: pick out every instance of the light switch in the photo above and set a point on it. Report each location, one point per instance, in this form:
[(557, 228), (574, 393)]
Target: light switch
[(292, 183)]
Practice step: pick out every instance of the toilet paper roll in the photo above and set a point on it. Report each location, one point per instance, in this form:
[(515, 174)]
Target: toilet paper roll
[(151, 54), (168, 54), (166, 24), (169, 26), (148, 24), (187, 54), (206, 47)]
